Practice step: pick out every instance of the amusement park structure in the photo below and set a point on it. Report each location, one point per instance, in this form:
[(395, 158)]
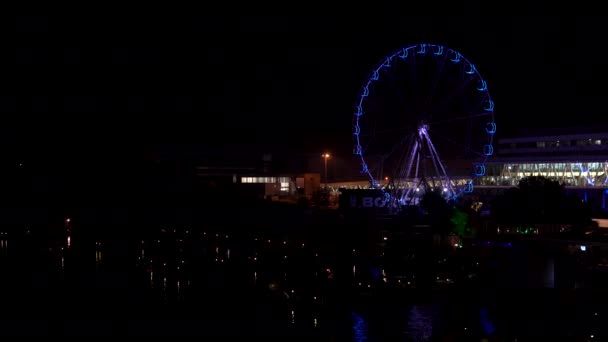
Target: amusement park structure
[(421, 106)]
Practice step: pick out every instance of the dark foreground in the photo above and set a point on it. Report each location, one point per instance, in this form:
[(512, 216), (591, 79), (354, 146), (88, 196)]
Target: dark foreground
[(291, 273)]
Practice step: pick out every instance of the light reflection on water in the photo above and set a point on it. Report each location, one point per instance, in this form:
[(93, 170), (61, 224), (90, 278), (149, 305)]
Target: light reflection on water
[(359, 328), (420, 323), (295, 284), (3, 247)]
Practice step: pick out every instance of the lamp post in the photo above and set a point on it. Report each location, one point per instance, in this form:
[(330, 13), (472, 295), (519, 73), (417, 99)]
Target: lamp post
[(325, 157)]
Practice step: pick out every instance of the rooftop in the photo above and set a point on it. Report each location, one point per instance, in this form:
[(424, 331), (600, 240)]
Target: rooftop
[(555, 131)]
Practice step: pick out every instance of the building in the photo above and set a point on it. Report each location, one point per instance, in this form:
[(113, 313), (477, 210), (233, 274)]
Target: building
[(575, 157), (249, 170)]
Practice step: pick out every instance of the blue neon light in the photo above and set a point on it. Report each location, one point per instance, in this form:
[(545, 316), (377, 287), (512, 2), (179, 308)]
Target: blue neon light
[(456, 56), (489, 106), (359, 111), (387, 63), (488, 150), (480, 170), (471, 69), (365, 91), (364, 168), (403, 54), (491, 127)]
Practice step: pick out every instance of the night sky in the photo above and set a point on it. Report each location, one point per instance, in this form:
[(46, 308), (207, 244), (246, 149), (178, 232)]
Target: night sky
[(118, 86)]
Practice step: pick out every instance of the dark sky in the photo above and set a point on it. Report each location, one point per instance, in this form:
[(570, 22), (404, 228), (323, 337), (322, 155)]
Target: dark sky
[(93, 85)]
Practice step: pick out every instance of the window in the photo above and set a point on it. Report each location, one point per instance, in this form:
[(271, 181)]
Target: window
[(264, 180)]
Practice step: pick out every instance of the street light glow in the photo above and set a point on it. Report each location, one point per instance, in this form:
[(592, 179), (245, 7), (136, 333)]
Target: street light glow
[(325, 157)]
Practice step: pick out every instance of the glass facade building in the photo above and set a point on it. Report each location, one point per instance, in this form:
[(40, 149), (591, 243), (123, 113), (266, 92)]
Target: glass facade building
[(577, 160)]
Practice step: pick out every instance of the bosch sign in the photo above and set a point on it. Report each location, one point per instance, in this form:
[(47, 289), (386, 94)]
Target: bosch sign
[(365, 198)]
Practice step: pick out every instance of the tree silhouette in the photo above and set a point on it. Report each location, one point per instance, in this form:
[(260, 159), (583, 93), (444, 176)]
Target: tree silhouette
[(437, 211), (539, 200)]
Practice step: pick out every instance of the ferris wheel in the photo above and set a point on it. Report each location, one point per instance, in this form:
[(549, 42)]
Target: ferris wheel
[(423, 121)]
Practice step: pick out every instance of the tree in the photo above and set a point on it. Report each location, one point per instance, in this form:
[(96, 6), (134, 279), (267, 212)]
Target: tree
[(460, 222), (539, 200), (437, 210)]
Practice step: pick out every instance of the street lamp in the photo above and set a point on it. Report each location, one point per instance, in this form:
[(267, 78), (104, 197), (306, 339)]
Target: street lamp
[(325, 157)]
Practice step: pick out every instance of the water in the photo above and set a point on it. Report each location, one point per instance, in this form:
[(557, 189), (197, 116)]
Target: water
[(313, 284)]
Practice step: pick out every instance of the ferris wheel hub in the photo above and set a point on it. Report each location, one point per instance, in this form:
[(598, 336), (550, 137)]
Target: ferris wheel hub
[(423, 129)]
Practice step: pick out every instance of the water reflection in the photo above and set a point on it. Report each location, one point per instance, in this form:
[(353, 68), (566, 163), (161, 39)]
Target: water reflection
[(98, 254), (3, 245), (486, 323), (420, 323), (359, 328), (272, 281)]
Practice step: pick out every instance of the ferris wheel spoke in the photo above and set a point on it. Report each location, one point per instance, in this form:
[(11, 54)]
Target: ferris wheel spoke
[(404, 142), (395, 129), (462, 118), (459, 90), (457, 143), (433, 90)]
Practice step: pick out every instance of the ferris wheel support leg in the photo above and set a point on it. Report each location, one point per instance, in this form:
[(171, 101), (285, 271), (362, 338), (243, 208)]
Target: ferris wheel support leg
[(443, 172), (410, 163)]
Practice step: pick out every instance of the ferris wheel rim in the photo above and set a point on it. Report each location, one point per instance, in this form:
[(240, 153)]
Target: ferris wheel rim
[(402, 53)]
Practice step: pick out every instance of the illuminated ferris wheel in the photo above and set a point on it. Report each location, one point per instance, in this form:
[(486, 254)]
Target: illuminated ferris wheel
[(423, 121)]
